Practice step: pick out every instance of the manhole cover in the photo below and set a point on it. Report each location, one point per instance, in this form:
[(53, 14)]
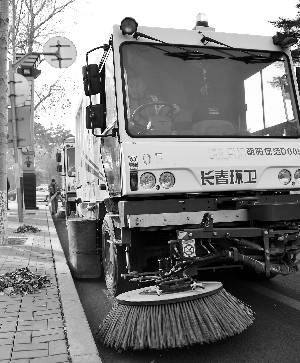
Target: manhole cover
[(16, 241), (13, 214), (30, 213)]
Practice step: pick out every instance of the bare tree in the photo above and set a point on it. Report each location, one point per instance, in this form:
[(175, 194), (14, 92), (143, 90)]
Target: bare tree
[(53, 97), (3, 118), (34, 22)]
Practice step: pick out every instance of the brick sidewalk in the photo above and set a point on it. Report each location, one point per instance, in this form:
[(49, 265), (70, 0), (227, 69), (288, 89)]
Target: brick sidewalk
[(41, 327)]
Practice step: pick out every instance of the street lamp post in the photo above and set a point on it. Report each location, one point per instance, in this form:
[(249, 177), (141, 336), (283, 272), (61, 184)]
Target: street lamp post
[(65, 55), (30, 72), (12, 96)]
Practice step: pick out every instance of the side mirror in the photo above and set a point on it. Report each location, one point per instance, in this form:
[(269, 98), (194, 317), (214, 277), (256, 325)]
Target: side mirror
[(95, 117), (91, 79), (59, 168), (58, 157)]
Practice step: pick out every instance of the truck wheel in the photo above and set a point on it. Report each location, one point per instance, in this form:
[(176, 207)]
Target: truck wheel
[(114, 263)]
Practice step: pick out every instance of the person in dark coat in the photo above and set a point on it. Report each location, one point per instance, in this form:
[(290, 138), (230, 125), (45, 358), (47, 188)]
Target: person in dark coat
[(52, 189)]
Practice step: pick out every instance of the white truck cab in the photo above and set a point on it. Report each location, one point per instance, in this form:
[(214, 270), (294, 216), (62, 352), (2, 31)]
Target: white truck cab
[(199, 134)]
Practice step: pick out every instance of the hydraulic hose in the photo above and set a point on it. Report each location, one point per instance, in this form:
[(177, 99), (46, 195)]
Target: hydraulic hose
[(258, 266)]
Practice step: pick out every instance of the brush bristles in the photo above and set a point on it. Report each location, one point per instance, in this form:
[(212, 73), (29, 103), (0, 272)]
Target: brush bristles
[(178, 324)]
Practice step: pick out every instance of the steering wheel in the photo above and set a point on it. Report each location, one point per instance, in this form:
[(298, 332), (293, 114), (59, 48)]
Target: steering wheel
[(138, 110)]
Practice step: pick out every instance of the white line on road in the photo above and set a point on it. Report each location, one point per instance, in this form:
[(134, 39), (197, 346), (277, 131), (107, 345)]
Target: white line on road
[(273, 295)]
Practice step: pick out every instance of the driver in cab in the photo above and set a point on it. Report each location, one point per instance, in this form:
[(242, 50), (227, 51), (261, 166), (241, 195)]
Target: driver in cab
[(140, 117), (139, 96)]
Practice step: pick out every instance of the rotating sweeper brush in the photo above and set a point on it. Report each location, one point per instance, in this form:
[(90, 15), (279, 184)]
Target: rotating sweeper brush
[(178, 313)]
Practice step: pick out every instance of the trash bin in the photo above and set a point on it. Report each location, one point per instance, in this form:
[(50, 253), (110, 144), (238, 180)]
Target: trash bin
[(84, 258)]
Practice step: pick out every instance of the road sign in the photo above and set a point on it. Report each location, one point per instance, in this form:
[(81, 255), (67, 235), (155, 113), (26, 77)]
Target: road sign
[(22, 89), (23, 127), (28, 162), (65, 52)]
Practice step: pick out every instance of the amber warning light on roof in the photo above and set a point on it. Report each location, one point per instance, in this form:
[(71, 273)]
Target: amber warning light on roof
[(128, 26)]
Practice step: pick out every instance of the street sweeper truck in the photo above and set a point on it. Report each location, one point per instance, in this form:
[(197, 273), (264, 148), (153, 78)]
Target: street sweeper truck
[(65, 157), (190, 141)]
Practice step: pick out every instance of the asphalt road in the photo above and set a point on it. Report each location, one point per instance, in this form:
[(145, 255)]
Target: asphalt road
[(274, 336)]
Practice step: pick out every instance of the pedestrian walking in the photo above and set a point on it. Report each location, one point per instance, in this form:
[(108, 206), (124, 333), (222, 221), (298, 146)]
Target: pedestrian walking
[(53, 188)]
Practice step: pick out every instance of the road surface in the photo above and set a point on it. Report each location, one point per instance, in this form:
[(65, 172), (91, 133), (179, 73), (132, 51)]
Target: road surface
[(274, 336)]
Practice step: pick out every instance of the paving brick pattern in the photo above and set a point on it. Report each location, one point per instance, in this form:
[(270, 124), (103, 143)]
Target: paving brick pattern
[(32, 327)]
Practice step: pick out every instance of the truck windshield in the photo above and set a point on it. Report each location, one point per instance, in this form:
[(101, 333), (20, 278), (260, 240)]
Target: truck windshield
[(207, 92)]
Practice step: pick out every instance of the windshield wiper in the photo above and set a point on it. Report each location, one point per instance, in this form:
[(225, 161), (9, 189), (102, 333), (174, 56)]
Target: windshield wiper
[(250, 59), (187, 55)]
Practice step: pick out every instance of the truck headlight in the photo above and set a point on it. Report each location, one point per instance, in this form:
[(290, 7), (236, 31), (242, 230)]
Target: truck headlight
[(167, 180), (147, 180), (284, 176), (297, 176)]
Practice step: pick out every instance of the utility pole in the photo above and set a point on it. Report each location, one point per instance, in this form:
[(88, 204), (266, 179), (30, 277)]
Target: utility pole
[(3, 119)]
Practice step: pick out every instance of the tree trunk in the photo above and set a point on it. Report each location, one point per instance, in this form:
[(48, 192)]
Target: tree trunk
[(3, 119)]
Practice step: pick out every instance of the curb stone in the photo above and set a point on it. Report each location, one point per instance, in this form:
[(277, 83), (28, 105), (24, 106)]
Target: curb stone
[(82, 348)]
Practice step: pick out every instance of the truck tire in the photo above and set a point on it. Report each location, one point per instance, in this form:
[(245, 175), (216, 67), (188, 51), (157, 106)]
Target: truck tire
[(114, 263)]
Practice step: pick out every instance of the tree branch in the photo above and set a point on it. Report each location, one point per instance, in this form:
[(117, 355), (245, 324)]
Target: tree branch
[(54, 12), (48, 94), (41, 8)]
